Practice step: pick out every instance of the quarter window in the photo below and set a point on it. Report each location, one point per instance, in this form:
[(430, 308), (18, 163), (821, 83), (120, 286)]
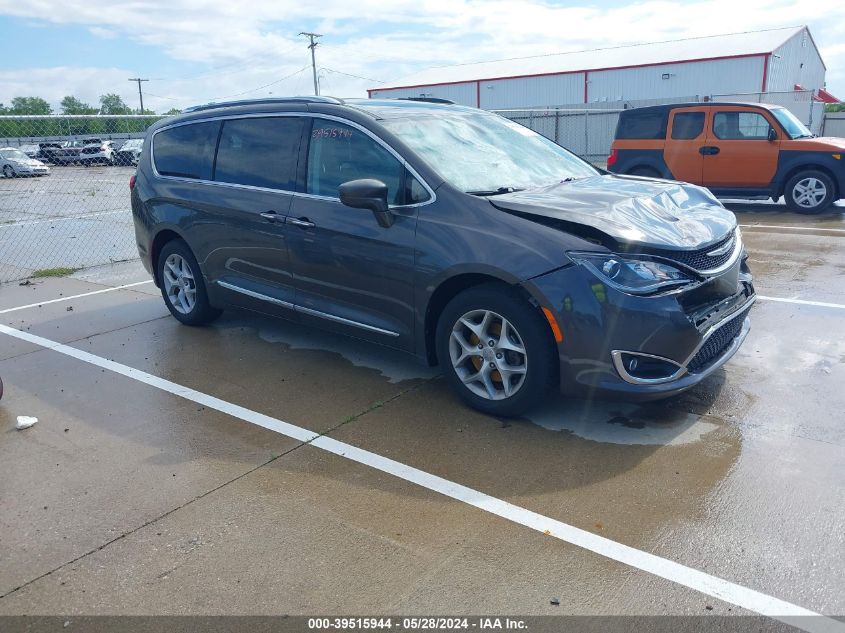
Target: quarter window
[(741, 126), (260, 152), (650, 124), (339, 153), (186, 151), (687, 125)]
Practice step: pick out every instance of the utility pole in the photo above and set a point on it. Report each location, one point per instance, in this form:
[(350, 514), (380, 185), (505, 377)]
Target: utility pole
[(140, 94), (313, 37)]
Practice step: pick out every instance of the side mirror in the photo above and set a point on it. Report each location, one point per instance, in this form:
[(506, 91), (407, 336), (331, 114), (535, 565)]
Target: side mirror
[(773, 135), (367, 193)]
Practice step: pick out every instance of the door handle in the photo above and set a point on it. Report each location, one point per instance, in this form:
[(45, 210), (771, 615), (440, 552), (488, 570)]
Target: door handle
[(708, 150), (303, 223), (272, 216)]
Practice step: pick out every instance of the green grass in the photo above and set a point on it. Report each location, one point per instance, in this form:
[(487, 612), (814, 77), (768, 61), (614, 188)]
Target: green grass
[(60, 271)]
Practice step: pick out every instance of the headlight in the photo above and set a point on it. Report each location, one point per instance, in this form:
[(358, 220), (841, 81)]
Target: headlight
[(634, 275)]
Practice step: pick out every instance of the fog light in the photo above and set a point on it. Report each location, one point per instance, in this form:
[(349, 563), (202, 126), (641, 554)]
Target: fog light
[(632, 364)]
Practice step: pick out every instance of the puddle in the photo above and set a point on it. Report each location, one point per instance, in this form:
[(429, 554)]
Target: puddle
[(393, 365), (623, 423)]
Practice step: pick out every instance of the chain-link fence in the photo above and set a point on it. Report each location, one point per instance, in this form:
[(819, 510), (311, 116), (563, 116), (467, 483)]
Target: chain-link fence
[(72, 210), (64, 194), (586, 132)]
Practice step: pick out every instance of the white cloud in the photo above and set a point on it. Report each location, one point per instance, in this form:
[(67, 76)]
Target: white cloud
[(256, 43)]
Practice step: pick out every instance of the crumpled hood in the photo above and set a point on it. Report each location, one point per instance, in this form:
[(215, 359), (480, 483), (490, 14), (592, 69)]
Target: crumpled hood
[(631, 210)]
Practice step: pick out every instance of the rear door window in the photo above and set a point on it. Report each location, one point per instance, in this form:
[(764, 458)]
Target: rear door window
[(260, 152), (186, 151), (650, 124), (687, 125), (736, 126), (339, 153)]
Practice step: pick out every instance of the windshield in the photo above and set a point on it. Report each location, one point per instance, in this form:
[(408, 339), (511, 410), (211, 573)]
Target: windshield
[(791, 124), (14, 154), (486, 153)]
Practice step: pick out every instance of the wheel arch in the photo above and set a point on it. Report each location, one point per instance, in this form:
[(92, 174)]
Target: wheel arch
[(449, 288), (814, 166), (161, 238)]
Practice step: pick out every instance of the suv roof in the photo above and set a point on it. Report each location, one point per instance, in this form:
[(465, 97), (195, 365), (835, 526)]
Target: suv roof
[(698, 104)]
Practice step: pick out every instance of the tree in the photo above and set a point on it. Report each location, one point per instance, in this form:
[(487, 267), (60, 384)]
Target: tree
[(170, 111), (113, 104), (72, 105), (30, 105)]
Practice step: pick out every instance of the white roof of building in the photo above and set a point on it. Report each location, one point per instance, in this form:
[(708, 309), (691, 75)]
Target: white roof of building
[(697, 48)]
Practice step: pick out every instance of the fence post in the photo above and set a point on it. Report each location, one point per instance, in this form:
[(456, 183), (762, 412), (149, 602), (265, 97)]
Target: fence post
[(586, 133), (557, 127)]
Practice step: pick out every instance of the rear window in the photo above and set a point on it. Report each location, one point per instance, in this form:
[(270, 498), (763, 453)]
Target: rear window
[(186, 151), (259, 152), (687, 125), (650, 124)]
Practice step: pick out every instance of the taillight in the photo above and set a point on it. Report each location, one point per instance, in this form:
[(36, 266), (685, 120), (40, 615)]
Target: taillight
[(614, 156), (131, 182)]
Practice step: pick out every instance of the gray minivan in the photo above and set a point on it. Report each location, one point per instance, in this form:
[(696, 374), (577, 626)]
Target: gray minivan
[(447, 232)]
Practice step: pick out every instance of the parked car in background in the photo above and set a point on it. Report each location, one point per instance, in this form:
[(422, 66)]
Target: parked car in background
[(737, 150), (129, 152), (31, 150), (68, 152), (13, 163), (47, 152), (447, 232), (97, 152)]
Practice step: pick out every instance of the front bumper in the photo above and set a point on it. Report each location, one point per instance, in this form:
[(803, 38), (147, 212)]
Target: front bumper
[(31, 169), (688, 335)]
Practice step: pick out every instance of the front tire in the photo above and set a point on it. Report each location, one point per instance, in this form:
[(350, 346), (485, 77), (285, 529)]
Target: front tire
[(182, 285), (8, 171), (496, 350), (809, 192)]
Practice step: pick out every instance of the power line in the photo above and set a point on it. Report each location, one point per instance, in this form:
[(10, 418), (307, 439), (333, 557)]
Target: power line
[(340, 72), (272, 83), (312, 46), (140, 94)]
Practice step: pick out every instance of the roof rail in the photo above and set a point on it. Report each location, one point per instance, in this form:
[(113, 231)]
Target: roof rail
[(264, 101), (426, 100)]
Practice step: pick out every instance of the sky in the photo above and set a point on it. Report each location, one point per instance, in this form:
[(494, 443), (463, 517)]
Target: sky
[(196, 51)]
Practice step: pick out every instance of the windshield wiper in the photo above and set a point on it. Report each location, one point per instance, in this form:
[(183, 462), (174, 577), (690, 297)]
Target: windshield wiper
[(495, 192)]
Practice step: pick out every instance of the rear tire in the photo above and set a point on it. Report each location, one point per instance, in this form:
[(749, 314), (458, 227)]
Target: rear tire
[(809, 192), (497, 314), (646, 172), (8, 171), (183, 286)]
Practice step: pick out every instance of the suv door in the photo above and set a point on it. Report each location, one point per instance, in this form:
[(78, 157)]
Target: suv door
[(686, 135), (238, 175), (352, 274), (738, 153)]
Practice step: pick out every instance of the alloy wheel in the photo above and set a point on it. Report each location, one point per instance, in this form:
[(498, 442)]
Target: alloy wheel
[(488, 354), (179, 284), (809, 192)]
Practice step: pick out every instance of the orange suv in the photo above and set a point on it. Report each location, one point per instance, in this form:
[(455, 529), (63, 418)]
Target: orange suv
[(740, 150)]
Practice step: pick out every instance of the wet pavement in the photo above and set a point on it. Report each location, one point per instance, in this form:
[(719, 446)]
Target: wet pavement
[(127, 499)]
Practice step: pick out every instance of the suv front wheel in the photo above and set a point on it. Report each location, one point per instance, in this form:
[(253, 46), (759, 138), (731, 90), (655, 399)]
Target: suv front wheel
[(496, 350), (809, 191)]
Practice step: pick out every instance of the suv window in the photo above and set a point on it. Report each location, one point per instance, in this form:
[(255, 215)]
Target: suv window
[(186, 151), (339, 153), (650, 124), (687, 125), (740, 125), (259, 152)]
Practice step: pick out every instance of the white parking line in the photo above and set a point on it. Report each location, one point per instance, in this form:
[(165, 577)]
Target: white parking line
[(675, 572), (790, 228), (64, 218), (84, 294), (802, 302)]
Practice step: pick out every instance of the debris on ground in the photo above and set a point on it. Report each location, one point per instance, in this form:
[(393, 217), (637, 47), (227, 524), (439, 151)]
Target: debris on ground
[(25, 421), (555, 601), (26, 283)]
